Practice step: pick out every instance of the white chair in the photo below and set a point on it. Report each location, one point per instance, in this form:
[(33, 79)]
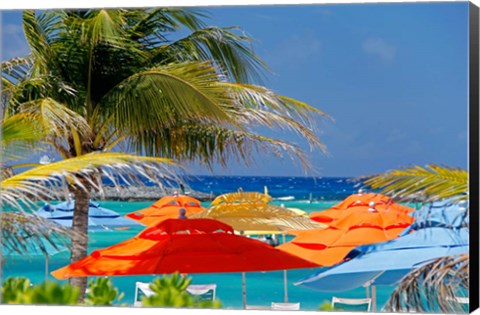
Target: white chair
[(143, 287), (285, 306), (203, 289), (194, 289), (355, 302)]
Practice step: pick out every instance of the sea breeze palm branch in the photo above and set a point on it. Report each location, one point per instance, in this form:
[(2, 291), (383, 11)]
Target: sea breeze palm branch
[(166, 94), (18, 136), (53, 116), (281, 122), (432, 287), (259, 97), (429, 183), (209, 144), (22, 233), (50, 181), (15, 70), (231, 52)]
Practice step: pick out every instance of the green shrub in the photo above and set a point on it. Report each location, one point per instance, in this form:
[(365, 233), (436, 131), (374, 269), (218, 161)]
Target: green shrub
[(171, 291), (14, 290), (326, 306), (102, 292), (20, 291)]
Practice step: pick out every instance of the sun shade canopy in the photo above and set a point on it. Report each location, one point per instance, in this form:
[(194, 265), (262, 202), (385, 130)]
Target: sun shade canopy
[(99, 218), (186, 246), (167, 207), (386, 263), (382, 203), (358, 220), (250, 211)]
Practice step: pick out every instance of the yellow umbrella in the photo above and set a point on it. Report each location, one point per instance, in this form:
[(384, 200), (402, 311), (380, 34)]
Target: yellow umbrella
[(250, 213)]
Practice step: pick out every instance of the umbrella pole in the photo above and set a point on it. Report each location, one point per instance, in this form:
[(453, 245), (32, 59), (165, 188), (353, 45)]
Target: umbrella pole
[(285, 282), (46, 268), (374, 299), (244, 290), (285, 286)]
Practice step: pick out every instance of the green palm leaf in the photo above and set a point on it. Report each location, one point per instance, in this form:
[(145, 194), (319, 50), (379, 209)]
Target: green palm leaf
[(19, 135), (22, 233), (208, 144), (428, 183), (231, 52), (51, 181), (167, 94)]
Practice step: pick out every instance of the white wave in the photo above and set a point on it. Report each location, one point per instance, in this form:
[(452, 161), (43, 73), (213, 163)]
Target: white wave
[(286, 198)]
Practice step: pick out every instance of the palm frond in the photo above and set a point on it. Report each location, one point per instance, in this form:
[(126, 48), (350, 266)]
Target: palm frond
[(281, 122), (149, 26), (54, 117), (433, 287), (19, 135), (100, 26), (166, 95), (428, 183), (22, 233), (40, 30), (51, 181), (207, 144), (259, 97), (16, 69), (231, 52)]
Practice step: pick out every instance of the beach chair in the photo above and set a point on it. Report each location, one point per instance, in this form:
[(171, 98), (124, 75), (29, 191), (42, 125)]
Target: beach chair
[(285, 306), (352, 304), (205, 292)]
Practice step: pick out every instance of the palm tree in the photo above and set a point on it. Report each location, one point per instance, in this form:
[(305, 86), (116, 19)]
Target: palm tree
[(434, 284), (21, 192), (138, 85)]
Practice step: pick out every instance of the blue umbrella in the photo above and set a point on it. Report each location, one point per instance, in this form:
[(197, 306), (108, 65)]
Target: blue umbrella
[(440, 214), (387, 263), (98, 218)]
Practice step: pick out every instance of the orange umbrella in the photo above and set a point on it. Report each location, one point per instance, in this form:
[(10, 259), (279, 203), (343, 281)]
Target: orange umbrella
[(166, 208), (381, 202), (329, 246), (355, 225), (374, 216), (186, 246)]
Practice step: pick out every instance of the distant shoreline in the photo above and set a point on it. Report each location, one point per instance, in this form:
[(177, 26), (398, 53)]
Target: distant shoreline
[(145, 193)]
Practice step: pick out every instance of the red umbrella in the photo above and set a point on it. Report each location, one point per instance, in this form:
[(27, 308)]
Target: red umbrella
[(186, 246)]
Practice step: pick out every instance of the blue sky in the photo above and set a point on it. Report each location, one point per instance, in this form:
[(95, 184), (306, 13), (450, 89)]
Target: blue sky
[(393, 76)]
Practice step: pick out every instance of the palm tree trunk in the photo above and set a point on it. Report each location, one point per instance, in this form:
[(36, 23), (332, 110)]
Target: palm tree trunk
[(80, 229)]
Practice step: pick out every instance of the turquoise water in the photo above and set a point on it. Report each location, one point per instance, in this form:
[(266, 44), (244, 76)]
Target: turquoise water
[(262, 287)]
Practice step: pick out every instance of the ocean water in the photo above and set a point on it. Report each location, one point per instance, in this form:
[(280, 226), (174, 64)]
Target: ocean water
[(263, 288)]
